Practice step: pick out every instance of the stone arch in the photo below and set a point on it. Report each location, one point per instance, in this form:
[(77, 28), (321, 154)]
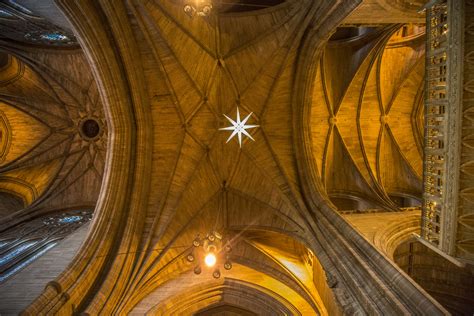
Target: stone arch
[(231, 292), (11, 68), (10, 203), (19, 187), (225, 308), (5, 136), (272, 262), (393, 235)]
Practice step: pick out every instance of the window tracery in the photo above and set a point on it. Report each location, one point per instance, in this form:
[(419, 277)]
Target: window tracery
[(54, 37), (21, 24), (5, 14), (24, 243), (19, 7)]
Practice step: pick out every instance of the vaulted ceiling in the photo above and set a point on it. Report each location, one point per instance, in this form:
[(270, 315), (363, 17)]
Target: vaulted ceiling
[(47, 159), (367, 116), (197, 71), (171, 174)]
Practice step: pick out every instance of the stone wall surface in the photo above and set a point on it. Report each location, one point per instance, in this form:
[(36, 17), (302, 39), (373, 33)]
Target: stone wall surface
[(21, 289)]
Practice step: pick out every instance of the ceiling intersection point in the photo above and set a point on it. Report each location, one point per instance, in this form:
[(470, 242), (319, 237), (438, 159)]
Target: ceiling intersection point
[(239, 127)]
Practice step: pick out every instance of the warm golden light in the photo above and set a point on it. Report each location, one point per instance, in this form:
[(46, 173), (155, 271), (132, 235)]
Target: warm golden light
[(210, 259)]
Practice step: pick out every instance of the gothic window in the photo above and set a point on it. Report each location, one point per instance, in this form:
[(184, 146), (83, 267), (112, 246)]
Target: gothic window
[(19, 23), (5, 14), (20, 8), (54, 37), (48, 37), (24, 243)]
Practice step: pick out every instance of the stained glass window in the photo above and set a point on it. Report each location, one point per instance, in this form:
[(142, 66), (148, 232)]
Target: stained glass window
[(50, 37), (24, 243), (5, 14), (70, 219), (54, 37), (19, 7), (15, 252), (26, 262)]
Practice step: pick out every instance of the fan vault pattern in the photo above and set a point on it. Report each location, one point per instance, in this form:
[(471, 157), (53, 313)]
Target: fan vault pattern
[(367, 118), (45, 158)]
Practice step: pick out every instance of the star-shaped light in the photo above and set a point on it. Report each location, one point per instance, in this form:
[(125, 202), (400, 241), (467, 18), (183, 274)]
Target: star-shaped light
[(238, 127)]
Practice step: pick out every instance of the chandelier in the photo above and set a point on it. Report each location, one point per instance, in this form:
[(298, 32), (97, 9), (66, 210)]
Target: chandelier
[(200, 8), (210, 252)]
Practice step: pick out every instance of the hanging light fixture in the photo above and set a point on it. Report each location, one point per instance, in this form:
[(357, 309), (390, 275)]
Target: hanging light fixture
[(212, 252), (200, 8)]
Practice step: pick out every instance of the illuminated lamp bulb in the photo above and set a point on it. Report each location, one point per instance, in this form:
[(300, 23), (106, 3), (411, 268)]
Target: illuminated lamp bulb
[(216, 274), (188, 10), (210, 259), (206, 10), (218, 235)]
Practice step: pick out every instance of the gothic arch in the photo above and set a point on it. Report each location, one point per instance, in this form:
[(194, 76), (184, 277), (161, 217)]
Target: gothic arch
[(10, 202), (19, 187), (392, 236), (249, 297)]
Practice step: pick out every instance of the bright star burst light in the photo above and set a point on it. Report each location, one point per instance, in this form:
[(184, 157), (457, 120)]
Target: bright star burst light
[(238, 127), (210, 259)]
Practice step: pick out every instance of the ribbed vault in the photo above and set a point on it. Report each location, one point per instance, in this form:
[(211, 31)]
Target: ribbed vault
[(231, 292), (45, 96), (199, 182), (366, 118), (376, 12), (165, 81), (269, 261)]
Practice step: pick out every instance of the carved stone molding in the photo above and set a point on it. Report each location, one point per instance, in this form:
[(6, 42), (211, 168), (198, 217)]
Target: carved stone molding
[(448, 205), (453, 128)]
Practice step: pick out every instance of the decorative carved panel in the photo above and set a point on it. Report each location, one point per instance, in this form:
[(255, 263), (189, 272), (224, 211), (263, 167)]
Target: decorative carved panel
[(448, 210)]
